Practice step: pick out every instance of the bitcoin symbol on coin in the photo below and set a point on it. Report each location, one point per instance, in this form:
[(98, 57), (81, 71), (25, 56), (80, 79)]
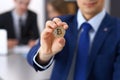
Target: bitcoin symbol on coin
[(59, 32)]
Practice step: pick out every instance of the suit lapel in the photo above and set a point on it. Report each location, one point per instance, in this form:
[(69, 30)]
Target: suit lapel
[(11, 24), (98, 41), (72, 39), (26, 26), (27, 19)]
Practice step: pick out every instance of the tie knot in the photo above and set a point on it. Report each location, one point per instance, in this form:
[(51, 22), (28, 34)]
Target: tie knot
[(86, 27), (21, 22)]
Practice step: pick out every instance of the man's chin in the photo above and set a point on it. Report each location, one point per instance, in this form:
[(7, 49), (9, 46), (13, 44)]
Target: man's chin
[(90, 12)]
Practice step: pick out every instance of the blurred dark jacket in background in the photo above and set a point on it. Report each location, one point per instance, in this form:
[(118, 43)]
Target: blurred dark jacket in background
[(28, 32)]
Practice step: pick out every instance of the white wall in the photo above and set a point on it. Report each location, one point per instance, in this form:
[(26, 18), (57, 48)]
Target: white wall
[(107, 5), (35, 5), (38, 7), (4, 6)]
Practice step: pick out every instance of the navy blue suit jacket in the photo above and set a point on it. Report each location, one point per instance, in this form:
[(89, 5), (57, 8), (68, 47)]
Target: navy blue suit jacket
[(104, 58)]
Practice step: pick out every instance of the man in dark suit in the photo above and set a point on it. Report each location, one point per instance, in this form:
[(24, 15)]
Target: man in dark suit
[(21, 24), (90, 49)]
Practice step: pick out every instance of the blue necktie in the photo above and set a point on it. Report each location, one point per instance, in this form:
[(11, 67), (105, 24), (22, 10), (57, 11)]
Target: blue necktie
[(82, 54)]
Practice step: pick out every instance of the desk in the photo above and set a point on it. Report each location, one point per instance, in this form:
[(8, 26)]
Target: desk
[(15, 67)]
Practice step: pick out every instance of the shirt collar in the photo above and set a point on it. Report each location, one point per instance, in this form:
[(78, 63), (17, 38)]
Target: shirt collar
[(17, 17), (94, 22)]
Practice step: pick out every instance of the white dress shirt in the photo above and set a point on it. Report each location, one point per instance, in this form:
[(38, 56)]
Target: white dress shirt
[(16, 23), (95, 22)]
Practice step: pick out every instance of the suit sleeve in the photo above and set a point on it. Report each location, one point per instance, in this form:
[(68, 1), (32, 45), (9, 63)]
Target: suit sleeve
[(31, 58)]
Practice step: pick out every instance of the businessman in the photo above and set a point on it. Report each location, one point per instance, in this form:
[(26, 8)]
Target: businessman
[(21, 24), (90, 49)]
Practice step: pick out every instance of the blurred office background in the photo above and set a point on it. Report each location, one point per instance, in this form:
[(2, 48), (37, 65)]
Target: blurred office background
[(14, 66), (38, 6)]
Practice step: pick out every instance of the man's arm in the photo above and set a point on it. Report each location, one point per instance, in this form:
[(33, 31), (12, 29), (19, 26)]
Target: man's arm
[(33, 60), (49, 46)]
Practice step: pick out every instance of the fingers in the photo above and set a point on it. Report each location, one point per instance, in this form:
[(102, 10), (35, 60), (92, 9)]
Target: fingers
[(12, 43), (61, 42), (51, 25), (46, 33), (60, 23), (65, 26), (56, 23)]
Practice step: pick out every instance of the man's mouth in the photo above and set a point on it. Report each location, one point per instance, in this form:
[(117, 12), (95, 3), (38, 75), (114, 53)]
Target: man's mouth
[(90, 4)]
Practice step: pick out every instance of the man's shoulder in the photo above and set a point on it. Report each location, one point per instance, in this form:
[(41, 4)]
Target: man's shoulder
[(115, 25), (67, 18), (6, 14), (116, 22), (30, 12), (111, 21)]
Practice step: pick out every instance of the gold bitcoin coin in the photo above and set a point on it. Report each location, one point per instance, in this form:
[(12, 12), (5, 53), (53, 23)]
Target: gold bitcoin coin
[(59, 32)]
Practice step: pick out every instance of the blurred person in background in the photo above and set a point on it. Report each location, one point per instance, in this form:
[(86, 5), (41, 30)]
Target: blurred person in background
[(56, 8), (21, 24)]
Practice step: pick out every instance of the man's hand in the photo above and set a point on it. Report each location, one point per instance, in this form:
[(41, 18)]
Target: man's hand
[(12, 43), (50, 45), (31, 43)]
